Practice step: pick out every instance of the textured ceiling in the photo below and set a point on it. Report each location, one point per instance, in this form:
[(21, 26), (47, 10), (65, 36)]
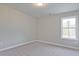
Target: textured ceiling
[(52, 8)]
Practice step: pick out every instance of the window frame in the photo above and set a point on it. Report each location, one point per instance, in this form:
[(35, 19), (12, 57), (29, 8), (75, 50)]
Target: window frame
[(67, 17)]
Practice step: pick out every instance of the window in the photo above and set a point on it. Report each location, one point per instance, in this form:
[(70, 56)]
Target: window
[(68, 28)]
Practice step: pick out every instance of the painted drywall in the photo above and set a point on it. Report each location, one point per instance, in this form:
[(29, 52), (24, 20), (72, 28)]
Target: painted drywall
[(49, 29), (15, 27)]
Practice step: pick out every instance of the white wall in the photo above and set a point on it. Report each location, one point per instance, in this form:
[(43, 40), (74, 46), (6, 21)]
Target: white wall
[(15, 27), (49, 29)]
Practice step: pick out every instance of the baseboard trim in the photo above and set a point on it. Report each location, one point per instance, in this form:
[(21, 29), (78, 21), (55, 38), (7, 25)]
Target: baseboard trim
[(17, 45), (49, 43), (57, 44)]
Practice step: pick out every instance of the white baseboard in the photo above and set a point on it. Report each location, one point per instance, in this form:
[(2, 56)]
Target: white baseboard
[(49, 43), (17, 45), (57, 44)]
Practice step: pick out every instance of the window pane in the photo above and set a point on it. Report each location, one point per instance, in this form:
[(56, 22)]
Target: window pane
[(72, 33), (64, 23), (65, 33), (72, 22), (69, 22)]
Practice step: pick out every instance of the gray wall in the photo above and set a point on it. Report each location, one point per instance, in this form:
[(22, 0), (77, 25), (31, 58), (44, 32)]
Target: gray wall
[(49, 29), (15, 27)]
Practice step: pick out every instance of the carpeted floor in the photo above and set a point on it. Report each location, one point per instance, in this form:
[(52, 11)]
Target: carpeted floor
[(39, 49)]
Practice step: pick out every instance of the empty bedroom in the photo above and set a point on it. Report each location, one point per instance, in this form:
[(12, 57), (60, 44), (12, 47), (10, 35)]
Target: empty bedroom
[(39, 29)]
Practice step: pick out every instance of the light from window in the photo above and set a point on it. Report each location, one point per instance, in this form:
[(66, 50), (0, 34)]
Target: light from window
[(69, 28)]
